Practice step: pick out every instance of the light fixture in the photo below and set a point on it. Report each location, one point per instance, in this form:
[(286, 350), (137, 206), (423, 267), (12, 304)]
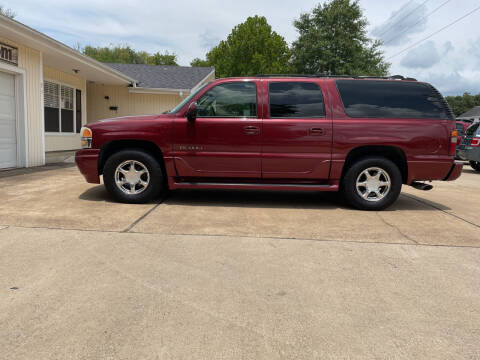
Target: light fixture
[(76, 71)]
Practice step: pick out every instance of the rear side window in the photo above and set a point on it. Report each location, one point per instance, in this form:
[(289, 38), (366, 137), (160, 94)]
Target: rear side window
[(391, 99), (296, 100), (472, 129), (460, 129)]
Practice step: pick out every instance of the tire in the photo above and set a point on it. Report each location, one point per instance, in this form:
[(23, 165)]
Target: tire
[(475, 165), (388, 183), (133, 166)]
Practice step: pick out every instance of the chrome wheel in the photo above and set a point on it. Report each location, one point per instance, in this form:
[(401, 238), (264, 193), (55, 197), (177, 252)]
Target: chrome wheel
[(373, 184), (132, 177)]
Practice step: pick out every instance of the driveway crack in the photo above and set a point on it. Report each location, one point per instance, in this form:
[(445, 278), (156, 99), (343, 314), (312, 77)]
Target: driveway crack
[(133, 224), (396, 228)]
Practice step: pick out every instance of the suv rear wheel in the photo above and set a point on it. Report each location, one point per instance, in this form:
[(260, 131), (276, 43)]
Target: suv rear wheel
[(475, 165), (133, 176), (372, 183)]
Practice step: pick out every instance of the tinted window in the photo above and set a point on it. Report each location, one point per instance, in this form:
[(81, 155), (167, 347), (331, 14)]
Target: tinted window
[(238, 99), (391, 99), (295, 100), (472, 129)]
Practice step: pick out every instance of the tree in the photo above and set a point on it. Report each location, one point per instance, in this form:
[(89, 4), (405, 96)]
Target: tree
[(197, 62), (162, 59), (333, 39), (126, 55), (251, 48), (7, 12), (463, 103)]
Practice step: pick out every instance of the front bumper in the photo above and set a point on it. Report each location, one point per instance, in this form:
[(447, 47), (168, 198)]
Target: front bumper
[(455, 172), (87, 163)]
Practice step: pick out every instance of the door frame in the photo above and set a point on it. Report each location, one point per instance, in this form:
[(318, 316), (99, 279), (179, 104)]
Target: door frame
[(20, 111)]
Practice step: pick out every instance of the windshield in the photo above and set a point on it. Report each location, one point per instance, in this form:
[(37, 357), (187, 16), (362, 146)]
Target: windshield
[(186, 100)]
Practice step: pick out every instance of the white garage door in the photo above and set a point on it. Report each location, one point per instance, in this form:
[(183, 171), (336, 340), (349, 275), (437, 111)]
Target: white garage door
[(8, 124)]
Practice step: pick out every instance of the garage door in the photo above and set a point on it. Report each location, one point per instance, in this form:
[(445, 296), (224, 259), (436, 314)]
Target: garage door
[(8, 125)]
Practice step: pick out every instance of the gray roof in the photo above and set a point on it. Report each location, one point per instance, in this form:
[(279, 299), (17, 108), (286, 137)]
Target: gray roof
[(163, 76), (473, 112)]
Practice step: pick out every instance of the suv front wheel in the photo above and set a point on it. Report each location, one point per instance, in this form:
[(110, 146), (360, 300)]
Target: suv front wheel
[(372, 183), (133, 176)]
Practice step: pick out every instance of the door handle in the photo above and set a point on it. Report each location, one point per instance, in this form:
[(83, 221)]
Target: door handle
[(251, 130), (316, 131)]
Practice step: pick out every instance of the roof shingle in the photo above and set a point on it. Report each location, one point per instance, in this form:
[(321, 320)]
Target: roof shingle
[(163, 76), (473, 112)]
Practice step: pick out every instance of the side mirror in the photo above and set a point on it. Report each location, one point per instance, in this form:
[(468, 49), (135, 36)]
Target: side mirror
[(192, 112)]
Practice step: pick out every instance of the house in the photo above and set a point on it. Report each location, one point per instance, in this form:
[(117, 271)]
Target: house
[(472, 115), (49, 90)]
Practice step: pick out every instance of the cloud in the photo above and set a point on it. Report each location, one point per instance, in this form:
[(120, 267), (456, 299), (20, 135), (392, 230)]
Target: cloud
[(426, 55), (408, 20), (455, 83), (208, 39), (423, 56)]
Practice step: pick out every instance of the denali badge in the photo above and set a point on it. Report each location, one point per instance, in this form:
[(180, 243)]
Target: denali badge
[(190, 148)]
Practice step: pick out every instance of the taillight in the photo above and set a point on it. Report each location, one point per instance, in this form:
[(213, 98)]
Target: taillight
[(453, 142), (475, 142)]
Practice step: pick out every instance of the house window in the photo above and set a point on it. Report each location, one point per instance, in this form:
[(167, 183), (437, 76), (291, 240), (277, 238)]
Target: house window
[(59, 108)]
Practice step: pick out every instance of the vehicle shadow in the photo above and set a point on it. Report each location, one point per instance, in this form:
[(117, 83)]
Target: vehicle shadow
[(285, 199), (265, 199)]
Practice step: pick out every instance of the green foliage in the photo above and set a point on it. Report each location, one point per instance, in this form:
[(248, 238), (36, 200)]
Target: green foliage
[(251, 48), (126, 55), (162, 59), (463, 103), (333, 39), (7, 12), (200, 63)]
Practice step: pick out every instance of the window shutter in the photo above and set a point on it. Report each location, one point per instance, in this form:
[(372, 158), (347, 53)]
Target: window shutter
[(67, 98), (50, 94)]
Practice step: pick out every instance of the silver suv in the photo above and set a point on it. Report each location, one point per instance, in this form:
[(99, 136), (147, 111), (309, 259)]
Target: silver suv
[(469, 149)]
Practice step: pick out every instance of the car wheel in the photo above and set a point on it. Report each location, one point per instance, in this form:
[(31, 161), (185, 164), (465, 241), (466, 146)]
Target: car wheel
[(372, 183), (475, 165), (133, 176)]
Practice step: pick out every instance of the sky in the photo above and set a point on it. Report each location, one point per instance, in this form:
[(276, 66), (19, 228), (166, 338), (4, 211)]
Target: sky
[(450, 60)]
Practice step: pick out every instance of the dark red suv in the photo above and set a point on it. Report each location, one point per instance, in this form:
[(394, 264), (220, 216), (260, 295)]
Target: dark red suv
[(363, 136)]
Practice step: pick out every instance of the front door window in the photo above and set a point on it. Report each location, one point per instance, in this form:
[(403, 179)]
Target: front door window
[(237, 99)]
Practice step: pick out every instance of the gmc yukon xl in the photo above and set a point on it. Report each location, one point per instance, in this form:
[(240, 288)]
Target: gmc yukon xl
[(365, 137)]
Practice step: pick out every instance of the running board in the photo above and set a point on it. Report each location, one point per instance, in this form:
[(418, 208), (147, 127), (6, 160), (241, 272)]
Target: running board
[(254, 186)]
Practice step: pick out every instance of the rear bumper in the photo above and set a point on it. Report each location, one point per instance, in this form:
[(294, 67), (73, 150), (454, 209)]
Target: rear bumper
[(87, 163), (455, 172), (472, 154)]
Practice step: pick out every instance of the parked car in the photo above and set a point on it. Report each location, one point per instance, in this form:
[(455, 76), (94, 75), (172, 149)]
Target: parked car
[(469, 149), (461, 129), (364, 137)]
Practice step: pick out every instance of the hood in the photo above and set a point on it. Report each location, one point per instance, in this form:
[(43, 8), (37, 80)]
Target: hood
[(128, 120), (135, 118)]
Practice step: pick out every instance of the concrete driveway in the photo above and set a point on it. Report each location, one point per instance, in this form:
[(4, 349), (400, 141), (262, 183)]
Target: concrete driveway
[(235, 275)]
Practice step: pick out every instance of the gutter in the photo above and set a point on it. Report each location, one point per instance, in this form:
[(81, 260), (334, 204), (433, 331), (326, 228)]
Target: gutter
[(164, 91), (47, 41)]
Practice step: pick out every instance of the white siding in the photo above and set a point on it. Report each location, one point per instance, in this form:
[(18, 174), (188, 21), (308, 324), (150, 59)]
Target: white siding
[(29, 60), (128, 103)]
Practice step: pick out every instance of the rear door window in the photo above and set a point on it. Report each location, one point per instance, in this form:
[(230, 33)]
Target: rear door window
[(472, 129), (391, 99), (295, 100)]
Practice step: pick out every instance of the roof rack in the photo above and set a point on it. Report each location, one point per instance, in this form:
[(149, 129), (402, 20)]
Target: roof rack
[(393, 77)]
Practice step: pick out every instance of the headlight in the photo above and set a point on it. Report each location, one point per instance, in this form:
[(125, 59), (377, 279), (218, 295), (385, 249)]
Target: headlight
[(86, 137)]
